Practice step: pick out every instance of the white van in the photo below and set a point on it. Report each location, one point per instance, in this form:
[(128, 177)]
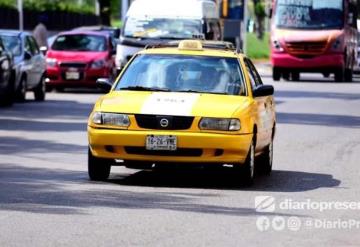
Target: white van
[(157, 21)]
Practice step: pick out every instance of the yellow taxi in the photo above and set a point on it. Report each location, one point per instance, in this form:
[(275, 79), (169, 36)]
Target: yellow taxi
[(187, 102)]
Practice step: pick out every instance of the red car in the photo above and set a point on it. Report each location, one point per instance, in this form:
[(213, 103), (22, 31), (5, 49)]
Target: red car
[(78, 59)]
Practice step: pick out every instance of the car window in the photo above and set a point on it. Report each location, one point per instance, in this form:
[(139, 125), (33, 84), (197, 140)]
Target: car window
[(1, 47), (253, 74), (27, 46), (34, 46), (12, 43), (80, 42), (185, 73)]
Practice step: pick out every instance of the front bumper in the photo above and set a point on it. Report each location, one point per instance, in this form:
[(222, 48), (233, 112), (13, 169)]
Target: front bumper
[(88, 77), (313, 64), (192, 147)]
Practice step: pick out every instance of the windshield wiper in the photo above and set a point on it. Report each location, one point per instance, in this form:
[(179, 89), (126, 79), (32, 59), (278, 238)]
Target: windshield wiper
[(195, 91), (141, 88)]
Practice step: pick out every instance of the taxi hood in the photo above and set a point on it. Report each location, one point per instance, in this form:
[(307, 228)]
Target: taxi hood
[(171, 103)]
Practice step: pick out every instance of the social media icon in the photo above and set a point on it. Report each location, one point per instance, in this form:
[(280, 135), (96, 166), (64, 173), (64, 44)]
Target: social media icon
[(278, 223), (294, 224), (263, 223), (264, 204)]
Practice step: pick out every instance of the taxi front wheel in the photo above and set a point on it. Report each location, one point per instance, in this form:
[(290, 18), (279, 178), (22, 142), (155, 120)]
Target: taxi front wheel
[(247, 170), (98, 168)]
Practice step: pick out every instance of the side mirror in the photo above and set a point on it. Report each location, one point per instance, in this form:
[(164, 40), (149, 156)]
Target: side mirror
[(104, 83), (264, 90), (43, 50), (27, 56)]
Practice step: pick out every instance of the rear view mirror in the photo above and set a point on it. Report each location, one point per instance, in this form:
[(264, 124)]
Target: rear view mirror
[(104, 84), (264, 90)]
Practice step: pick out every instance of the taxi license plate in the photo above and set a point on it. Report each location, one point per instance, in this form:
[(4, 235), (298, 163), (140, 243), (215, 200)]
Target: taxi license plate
[(161, 142), (72, 75)]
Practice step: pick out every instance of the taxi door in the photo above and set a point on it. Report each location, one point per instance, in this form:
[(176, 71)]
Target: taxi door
[(265, 109)]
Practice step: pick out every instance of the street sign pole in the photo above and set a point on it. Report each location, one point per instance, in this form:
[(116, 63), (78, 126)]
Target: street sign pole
[(21, 14)]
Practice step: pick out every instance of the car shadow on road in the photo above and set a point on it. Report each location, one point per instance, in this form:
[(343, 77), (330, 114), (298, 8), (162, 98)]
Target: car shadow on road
[(319, 95), (64, 192), (279, 181), (319, 119)]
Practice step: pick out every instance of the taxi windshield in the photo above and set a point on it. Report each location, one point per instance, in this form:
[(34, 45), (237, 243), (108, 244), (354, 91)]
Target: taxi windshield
[(309, 14), (162, 28), (180, 73)]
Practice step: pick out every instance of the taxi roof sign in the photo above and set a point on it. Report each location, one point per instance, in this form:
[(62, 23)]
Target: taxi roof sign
[(194, 45)]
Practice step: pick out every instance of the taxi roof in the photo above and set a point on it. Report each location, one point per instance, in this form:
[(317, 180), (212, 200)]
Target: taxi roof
[(209, 48)]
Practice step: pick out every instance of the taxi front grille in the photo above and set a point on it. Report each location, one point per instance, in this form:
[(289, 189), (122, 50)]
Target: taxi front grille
[(155, 122), (180, 152), (315, 47)]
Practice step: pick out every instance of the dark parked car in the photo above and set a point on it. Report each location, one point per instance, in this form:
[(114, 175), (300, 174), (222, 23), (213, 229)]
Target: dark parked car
[(29, 63), (7, 88)]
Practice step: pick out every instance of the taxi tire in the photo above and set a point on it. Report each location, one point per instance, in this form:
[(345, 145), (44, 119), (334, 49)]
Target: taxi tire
[(265, 161), (248, 169), (98, 168)]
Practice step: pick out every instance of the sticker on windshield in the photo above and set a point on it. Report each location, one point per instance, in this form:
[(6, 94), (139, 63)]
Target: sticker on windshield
[(176, 104)]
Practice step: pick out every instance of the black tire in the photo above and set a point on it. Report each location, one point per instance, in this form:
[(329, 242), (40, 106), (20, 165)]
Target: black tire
[(286, 76), (98, 168), (21, 90), (276, 74), (48, 88), (265, 161), (295, 76), (40, 90), (247, 170), (8, 96), (348, 75), (339, 75)]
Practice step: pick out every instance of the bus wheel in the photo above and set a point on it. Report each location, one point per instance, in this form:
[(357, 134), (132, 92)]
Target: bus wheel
[(276, 73), (339, 75), (348, 76), (295, 76)]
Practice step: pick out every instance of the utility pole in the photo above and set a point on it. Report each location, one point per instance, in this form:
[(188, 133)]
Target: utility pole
[(21, 14), (124, 8), (244, 33)]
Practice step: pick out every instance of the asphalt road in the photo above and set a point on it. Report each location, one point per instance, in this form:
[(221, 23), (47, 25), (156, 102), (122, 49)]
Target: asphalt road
[(46, 198)]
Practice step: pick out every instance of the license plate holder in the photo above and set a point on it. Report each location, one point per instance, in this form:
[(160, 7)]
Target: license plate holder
[(72, 75), (161, 142)]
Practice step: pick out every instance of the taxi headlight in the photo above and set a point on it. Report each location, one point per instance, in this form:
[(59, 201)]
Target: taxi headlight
[(224, 124), (114, 119)]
